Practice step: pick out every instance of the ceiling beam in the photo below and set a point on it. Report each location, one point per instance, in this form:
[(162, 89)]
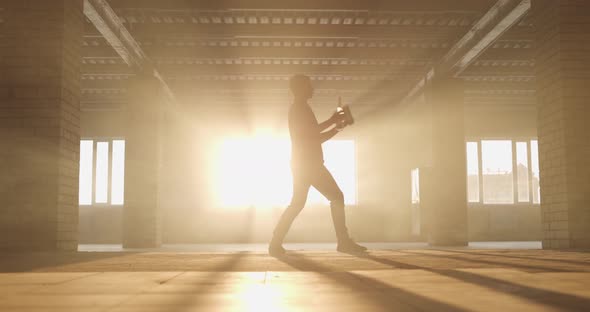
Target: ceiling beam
[(185, 52), (499, 18), (106, 21), (526, 70), (156, 31), (219, 83), (268, 69), (392, 55), (486, 86), (393, 5)]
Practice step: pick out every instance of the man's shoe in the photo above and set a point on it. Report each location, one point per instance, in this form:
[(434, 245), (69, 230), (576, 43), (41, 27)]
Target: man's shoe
[(276, 250), (349, 246)]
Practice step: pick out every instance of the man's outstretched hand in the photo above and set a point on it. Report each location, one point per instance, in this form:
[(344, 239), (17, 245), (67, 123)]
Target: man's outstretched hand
[(339, 120), (337, 117), (340, 125)]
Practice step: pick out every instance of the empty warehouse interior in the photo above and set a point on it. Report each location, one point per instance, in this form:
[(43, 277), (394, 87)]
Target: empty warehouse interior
[(146, 155)]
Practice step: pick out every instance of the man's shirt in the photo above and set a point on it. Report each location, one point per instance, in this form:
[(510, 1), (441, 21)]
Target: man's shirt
[(306, 145)]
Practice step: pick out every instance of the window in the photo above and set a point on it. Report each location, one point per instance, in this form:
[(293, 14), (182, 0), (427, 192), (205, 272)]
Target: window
[(85, 179), (340, 159), (522, 171), (503, 172), (472, 172), (102, 167), (255, 171), (102, 172), (252, 172), (118, 172), (415, 186), (535, 171), (415, 212), (497, 172)]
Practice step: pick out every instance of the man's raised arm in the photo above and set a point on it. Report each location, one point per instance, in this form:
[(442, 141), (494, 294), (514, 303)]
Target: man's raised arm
[(329, 122), (325, 136)]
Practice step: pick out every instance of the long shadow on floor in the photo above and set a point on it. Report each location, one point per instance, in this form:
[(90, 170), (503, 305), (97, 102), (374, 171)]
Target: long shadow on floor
[(528, 258), (526, 267), (196, 294), (554, 299), (12, 262), (388, 297)]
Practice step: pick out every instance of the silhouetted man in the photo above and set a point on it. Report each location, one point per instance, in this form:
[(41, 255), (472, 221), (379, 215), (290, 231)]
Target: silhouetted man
[(307, 164)]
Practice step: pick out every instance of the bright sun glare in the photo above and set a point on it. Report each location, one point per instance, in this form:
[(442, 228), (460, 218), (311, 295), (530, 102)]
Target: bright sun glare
[(255, 171)]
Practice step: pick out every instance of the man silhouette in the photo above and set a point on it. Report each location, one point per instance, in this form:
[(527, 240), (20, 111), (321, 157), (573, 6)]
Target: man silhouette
[(307, 165)]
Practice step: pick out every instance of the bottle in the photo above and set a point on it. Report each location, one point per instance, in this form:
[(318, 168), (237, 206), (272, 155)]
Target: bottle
[(341, 123), (345, 112)]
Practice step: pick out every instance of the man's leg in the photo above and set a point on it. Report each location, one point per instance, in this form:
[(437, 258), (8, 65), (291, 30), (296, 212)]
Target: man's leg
[(324, 182), (300, 190)]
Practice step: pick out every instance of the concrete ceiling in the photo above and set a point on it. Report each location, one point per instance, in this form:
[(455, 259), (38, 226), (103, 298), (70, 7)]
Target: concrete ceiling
[(218, 51)]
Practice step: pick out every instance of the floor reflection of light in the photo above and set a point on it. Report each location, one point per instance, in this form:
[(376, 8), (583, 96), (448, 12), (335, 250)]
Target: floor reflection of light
[(262, 298)]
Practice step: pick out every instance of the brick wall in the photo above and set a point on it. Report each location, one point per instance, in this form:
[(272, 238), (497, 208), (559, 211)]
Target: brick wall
[(563, 71), (39, 124)]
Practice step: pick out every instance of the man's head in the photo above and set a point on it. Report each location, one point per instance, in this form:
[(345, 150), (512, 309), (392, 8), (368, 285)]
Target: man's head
[(301, 87)]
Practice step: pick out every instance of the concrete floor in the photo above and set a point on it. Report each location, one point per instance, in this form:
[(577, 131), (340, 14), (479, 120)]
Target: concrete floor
[(315, 279)]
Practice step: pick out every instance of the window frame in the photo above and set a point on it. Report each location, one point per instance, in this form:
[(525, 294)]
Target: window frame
[(109, 140), (529, 170), (514, 141), (479, 170)]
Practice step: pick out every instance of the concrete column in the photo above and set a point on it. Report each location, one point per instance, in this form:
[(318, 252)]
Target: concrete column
[(142, 218), (563, 80), (40, 124), (444, 193)]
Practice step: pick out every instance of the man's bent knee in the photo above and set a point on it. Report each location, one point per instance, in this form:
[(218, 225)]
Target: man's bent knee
[(337, 200), (295, 208)]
